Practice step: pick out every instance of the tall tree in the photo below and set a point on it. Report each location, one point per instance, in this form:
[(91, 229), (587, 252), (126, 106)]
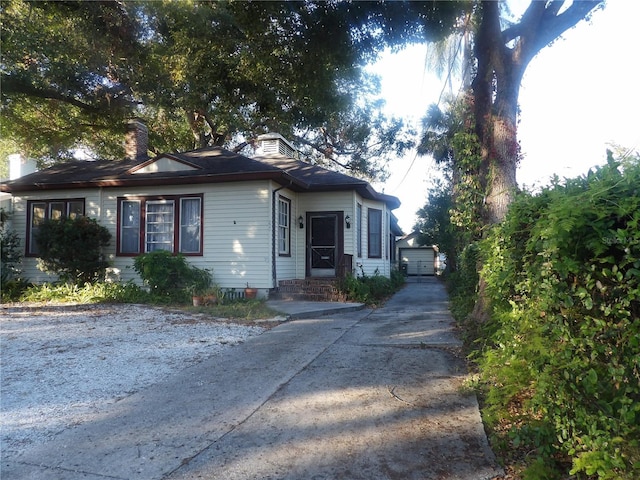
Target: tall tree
[(483, 159), (502, 53)]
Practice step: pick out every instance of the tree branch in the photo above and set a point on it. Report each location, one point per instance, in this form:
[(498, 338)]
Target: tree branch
[(552, 25), (541, 24), (13, 85), (532, 15)]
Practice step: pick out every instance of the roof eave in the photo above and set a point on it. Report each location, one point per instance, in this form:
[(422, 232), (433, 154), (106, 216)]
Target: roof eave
[(278, 176)]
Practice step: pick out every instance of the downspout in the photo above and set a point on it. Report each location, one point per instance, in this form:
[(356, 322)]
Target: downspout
[(274, 276)]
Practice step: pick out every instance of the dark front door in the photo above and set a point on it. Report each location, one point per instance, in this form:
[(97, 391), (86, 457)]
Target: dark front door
[(323, 244)]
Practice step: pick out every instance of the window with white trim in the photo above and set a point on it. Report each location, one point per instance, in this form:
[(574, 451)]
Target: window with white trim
[(171, 223), (385, 235), (284, 226)]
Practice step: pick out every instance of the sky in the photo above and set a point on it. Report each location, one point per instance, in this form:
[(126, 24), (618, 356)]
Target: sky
[(577, 97)]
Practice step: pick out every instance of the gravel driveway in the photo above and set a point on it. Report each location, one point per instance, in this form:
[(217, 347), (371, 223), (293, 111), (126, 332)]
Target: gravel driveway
[(61, 365)]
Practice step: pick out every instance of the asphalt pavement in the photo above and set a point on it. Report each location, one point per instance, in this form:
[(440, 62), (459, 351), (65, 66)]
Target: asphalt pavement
[(341, 393)]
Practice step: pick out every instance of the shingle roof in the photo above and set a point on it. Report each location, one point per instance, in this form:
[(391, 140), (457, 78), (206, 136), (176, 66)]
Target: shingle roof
[(207, 165)]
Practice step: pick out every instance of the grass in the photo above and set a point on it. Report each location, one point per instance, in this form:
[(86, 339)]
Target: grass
[(240, 311)]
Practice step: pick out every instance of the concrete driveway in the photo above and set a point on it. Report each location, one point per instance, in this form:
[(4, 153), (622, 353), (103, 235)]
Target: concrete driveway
[(371, 394)]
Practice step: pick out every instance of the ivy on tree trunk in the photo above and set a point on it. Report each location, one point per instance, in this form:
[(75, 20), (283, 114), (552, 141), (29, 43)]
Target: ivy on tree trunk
[(502, 57)]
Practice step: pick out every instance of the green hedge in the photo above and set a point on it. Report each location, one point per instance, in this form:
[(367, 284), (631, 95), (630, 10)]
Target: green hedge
[(561, 356), (371, 289)]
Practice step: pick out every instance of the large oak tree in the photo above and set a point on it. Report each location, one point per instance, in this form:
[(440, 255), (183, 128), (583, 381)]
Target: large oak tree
[(213, 73), (206, 73)]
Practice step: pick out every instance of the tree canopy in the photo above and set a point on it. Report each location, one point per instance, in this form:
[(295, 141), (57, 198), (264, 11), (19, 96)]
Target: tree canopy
[(206, 73)]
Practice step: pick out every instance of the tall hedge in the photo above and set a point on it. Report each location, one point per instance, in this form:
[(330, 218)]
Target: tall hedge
[(563, 346)]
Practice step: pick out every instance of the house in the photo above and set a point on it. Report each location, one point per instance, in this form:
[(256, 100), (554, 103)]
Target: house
[(416, 259), (251, 220)]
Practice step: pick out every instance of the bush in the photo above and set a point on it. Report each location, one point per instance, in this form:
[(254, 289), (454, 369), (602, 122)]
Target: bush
[(10, 251), (370, 289), (463, 283), (12, 290), (71, 248), (170, 276), (561, 361)]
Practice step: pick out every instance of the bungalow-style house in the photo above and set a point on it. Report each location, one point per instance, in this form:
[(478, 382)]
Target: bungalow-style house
[(256, 221)]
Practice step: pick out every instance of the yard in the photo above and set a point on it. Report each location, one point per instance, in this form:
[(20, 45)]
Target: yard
[(61, 365)]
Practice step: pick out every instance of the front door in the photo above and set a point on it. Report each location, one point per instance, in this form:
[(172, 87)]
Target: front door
[(323, 242)]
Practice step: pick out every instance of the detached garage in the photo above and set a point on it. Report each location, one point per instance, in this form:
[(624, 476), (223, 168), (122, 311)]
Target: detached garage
[(416, 259)]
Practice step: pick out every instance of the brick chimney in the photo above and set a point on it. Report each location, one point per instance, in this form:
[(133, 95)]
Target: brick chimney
[(136, 140)]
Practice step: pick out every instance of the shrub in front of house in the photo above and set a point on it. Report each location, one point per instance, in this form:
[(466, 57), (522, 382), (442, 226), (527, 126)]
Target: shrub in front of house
[(10, 253), (170, 276), (72, 249), (370, 289)]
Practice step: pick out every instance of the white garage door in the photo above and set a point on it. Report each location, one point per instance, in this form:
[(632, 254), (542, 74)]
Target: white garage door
[(419, 261)]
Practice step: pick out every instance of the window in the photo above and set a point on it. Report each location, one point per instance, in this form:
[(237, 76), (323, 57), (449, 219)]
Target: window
[(130, 226), (284, 226), (375, 233), (359, 228), (160, 223), (42, 210), (386, 234), (190, 225)]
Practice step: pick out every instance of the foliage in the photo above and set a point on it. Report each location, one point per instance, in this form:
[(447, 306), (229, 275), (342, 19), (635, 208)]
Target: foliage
[(452, 215), (200, 281), (71, 248), (10, 251), (88, 293), (12, 290), (434, 222), (371, 289), (104, 292), (239, 310), (171, 277), (561, 354), (205, 73), (462, 284)]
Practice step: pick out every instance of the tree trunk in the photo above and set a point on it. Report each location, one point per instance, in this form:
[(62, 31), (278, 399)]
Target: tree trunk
[(496, 87), (500, 159)]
